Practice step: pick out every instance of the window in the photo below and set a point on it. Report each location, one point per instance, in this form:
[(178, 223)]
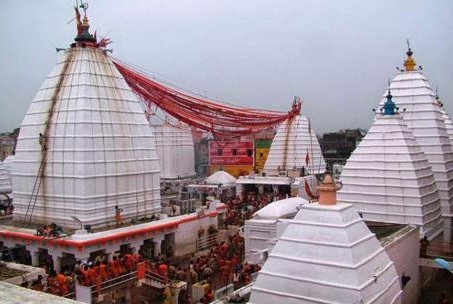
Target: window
[(219, 151), (249, 152), (235, 152)]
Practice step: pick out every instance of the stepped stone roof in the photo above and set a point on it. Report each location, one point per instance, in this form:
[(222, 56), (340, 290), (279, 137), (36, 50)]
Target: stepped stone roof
[(327, 255), (388, 178)]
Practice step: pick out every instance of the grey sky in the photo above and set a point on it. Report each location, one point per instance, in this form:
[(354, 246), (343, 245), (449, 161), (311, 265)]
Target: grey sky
[(336, 55)]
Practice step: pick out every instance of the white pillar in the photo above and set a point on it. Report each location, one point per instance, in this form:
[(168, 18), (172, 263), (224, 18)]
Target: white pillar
[(157, 244), (34, 258)]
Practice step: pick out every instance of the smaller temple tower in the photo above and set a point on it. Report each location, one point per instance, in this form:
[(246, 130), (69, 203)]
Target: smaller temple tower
[(388, 177), (295, 146), (327, 255)]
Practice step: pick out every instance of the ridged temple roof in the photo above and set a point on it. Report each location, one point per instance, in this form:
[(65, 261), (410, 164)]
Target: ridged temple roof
[(412, 92), (294, 139), (388, 178), (98, 146), (327, 255), (5, 181), (175, 149), (447, 120)]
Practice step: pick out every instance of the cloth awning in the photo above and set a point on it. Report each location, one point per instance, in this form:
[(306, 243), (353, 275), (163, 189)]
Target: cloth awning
[(257, 180)]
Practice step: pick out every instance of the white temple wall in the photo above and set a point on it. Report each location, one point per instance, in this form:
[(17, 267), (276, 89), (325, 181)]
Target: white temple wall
[(257, 234), (404, 253), (187, 234)]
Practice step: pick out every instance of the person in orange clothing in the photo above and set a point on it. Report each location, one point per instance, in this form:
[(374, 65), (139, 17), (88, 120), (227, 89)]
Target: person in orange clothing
[(128, 262), (91, 275), (118, 268), (53, 286), (62, 284), (103, 271), (118, 217), (163, 271), (112, 268)]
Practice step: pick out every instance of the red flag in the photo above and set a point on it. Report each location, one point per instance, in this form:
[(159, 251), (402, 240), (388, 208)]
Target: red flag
[(307, 159), (308, 191)]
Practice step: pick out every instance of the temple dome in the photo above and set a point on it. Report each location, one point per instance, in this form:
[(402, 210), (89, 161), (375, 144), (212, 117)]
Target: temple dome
[(327, 255), (388, 178), (175, 149), (97, 148), (295, 139), (411, 91)]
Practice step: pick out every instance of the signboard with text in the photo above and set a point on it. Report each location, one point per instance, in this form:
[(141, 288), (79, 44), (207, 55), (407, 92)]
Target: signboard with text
[(227, 153)]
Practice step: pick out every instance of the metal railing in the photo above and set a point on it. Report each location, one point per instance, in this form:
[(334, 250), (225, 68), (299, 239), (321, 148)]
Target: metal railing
[(155, 277), (207, 241)]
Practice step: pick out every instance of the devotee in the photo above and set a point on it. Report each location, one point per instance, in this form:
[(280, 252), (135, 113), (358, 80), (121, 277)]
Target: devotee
[(118, 217)]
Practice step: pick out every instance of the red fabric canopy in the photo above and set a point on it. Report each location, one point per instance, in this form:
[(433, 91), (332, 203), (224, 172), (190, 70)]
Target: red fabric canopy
[(199, 112)]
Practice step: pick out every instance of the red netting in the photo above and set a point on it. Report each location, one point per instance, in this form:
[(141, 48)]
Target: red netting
[(199, 112)]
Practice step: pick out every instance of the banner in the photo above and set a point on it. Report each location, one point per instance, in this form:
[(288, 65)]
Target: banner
[(238, 153)]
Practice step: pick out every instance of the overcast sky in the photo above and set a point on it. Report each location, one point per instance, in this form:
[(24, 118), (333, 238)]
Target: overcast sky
[(336, 55)]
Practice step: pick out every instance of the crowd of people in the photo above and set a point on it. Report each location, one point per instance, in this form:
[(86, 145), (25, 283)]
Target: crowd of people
[(90, 273), (221, 266), (241, 208)]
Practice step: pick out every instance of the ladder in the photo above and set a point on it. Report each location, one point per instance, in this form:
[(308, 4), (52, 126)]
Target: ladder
[(34, 193), (44, 145)]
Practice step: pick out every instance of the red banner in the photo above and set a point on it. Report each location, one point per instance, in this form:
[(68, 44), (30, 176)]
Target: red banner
[(240, 153)]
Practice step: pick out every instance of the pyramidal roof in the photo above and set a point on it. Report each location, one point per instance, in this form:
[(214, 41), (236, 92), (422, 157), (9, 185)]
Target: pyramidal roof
[(85, 145), (388, 178), (447, 120), (175, 150), (412, 92), (327, 255), (5, 181), (295, 139)]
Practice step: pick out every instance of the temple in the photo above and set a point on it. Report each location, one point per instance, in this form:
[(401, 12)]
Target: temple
[(84, 145), (388, 177), (327, 254)]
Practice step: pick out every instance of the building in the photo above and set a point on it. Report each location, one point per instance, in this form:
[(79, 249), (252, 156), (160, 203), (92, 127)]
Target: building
[(85, 145), (388, 177), (326, 254), (337, 146), (412, 92)]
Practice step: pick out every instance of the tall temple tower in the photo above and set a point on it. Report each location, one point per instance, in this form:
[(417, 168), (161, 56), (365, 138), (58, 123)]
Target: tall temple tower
[(412, 92), (85, 145)]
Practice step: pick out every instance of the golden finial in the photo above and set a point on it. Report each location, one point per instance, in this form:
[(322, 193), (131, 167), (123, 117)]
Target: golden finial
[(409, 63)]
